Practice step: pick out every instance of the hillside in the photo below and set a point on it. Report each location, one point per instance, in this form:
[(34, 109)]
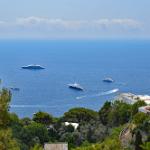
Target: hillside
[(116, 126)]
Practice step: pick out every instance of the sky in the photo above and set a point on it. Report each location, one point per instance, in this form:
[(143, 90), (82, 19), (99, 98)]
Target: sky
[(60, 19)]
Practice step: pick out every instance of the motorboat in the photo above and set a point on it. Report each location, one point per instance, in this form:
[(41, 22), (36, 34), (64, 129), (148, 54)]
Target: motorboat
[(14, 89), (108, 80), (76, 86)]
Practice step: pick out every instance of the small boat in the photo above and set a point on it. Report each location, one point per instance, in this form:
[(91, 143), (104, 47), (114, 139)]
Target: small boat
[(76, 86), (33, 67), (14, 89), (108, 80)]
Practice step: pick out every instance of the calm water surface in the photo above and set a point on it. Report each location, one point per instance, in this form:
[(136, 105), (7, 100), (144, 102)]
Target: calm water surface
[(85, 62)]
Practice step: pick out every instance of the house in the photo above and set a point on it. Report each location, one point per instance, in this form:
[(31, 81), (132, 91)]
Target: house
[(75, 125), (130, 98), (56, 146), (145, 109)]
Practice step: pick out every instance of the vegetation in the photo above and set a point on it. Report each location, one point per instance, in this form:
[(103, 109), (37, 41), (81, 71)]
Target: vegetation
[(80, 115), (7, 141), (115, 114), (110, 143), (146, 146), (5, 98), (136, 105), (96, 131), (43, 118)]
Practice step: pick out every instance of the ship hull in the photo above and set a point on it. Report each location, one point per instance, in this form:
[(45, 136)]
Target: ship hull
[(76, 88), (108, 81), (33, 68)]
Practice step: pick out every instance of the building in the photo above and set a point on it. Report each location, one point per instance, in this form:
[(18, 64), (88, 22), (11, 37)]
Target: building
[(132, 98), (145, 109), (56, 146), (75, 125)]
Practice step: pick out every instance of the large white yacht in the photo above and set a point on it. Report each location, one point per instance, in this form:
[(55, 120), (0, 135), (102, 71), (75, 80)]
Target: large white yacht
[(36, 67)]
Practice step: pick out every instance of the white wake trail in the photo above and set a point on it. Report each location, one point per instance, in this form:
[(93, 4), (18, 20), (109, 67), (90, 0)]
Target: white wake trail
[(37, 106), (99, 94)]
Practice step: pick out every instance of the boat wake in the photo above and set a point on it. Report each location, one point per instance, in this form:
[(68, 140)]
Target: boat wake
[(109, 92), (37, 106), (99, 94), (27, 106)]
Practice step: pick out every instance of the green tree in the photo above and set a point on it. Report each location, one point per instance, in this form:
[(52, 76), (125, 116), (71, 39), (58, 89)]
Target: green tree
[(120, 113), (37, 131), (25, 121), (14, 119), (43, 118), (96, 133), (7, 142), (80, 115), (74, 139), (110, 143), (104, 112), (69, 128), (139, 118), (138, 141), (136, 106), (5, 97)]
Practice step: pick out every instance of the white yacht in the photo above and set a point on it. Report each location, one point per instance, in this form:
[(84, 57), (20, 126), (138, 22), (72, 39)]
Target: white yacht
[(33, 67), (76, 86), (109, 80)]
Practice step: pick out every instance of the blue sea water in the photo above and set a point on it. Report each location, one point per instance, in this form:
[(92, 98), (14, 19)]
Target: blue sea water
[(67, 61)]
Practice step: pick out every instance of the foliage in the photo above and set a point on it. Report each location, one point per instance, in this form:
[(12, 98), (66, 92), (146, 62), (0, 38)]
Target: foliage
[(25, 121), (5, 97), (36, 147), (139, 118), (115, 114), (7, 142), (74, 139), (138, 141), (70, 128), (146, 146), (110, 143), (14, 119), (145, 126), (136, 105), (104, 112), (120, 114), (80, 115), (37, 132), (43, 118), (96, 130)]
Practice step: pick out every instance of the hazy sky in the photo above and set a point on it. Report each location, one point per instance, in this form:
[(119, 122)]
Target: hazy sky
[(74, 19)]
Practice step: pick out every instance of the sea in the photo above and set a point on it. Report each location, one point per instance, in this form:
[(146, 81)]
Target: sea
[(86, 62)]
